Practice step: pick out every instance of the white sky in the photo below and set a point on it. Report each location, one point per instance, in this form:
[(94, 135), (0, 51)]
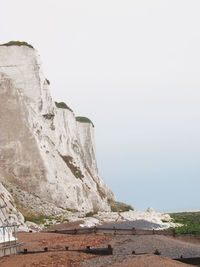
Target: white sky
[(133, 68)]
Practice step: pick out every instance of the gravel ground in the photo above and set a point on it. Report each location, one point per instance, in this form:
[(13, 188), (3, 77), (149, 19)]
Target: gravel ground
[(124, 245), (64, 226), (37, 241), (139, 224), (150, 261)]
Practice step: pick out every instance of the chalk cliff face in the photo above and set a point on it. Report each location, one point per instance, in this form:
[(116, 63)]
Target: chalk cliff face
[(9, 213), (47, 157)]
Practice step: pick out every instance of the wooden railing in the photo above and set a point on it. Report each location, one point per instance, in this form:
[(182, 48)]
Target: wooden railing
[(113, 231)]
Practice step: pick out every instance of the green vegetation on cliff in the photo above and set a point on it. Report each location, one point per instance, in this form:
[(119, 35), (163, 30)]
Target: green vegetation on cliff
[(91, 213), (74, 169), (118, 206), (84, 119), (18, 43), (62, 105), (48, 82), (37, 219)]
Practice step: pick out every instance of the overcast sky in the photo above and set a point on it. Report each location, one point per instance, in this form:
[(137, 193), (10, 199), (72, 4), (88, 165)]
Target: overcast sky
[(133, 68)]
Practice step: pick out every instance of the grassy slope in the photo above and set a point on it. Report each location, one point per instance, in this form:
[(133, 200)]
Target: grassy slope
[(190, 221)]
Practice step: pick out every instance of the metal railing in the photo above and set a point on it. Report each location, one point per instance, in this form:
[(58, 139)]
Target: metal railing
[(8, 233)]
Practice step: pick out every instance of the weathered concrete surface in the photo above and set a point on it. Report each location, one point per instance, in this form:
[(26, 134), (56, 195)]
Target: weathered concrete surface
[(47, 158)]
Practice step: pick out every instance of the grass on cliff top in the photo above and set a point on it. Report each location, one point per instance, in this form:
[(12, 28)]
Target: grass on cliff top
[(190, 221), (119, 206), (62, 105), (84, 119), (18, 43)]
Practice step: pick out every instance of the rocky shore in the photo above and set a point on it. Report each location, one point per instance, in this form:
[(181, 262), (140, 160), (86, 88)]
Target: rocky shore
[(146, 220)]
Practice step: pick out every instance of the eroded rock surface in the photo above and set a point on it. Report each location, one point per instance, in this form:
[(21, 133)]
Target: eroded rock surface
[(9, 214)]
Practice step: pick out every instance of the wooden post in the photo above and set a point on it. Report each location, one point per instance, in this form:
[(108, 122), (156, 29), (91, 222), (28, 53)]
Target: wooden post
[(157, 252), (110, 249), (133, 231), (174, 233)]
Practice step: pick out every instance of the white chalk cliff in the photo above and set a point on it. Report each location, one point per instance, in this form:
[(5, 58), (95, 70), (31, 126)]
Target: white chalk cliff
[(47, 157)]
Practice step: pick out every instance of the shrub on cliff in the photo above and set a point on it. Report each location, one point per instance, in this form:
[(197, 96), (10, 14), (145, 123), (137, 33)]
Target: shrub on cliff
[(91, 213), (84, 119), (62, 105), (118, 206), (18, 43), (48, 82)]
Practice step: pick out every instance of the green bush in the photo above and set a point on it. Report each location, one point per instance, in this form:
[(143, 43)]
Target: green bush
[(62, 105), (84, 119), (188, 228), (38, 220), (190, 221), (41, 219), (18, 43), (72, 210), (48, 225), (164, 221), (186, 217), (65, 220), (91, 213), (118, 206)]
